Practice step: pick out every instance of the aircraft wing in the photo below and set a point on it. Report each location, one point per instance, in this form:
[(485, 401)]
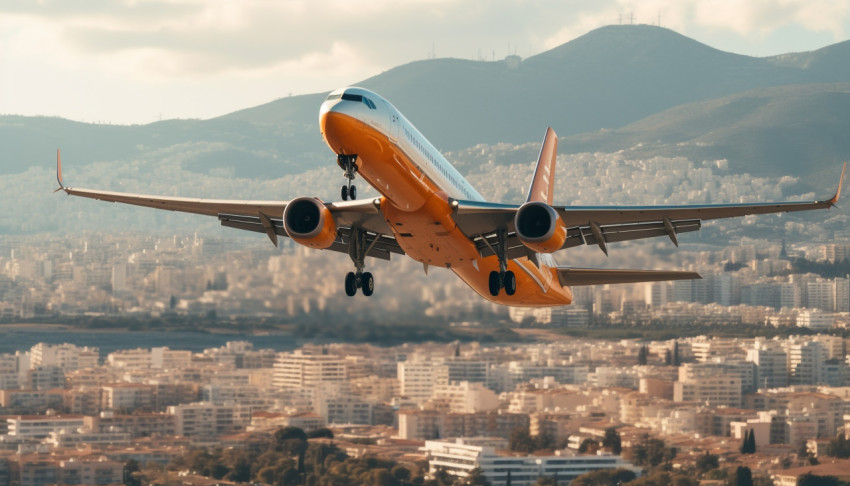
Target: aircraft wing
[(599, 225), (262, 216)]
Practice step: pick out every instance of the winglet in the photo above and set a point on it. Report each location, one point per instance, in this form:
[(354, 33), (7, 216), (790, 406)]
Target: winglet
[(59, 171), (838, 191)]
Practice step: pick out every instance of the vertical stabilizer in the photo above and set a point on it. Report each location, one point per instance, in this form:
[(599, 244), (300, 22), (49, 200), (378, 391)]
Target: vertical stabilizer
[(543, 183)]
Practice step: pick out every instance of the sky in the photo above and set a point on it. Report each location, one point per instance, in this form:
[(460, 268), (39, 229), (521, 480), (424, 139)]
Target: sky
[(139, 61)]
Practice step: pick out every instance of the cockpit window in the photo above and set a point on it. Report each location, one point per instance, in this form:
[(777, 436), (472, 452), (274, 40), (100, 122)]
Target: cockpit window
[(334, 96), (360, 99)]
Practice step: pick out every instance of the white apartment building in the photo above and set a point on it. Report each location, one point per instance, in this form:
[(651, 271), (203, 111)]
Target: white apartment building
[(130, 359), (459, 458), (299, 370), (416, 379), (205, 420), (814, 319), (466, 397), (715, 390), (41, 426), (805, 362), (66, 356), (771, 365)]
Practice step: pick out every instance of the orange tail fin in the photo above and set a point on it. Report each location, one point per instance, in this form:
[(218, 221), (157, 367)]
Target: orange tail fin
[(543, 183)]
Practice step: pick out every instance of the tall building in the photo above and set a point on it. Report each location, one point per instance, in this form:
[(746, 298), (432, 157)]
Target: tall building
[(299, 370), (821, 295), (805, 362), (771, 365), (416, 379)]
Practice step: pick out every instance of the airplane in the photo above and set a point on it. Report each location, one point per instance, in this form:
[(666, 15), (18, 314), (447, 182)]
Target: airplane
[(429, 212)]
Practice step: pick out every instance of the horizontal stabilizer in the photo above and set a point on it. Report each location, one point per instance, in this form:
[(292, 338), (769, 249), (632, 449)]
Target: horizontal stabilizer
[(594, 276)]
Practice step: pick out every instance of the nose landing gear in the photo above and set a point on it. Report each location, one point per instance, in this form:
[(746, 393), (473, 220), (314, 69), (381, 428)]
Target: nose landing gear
[(348, 163)]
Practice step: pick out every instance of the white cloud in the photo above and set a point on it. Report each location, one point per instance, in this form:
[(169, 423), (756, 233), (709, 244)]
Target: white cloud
[(304, 43)]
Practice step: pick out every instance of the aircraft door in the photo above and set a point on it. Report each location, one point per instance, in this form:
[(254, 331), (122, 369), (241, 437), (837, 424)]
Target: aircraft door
[(395, 122)]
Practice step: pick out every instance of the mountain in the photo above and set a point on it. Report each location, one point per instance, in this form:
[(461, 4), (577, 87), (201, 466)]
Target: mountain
[(607, 80), (800, 130)]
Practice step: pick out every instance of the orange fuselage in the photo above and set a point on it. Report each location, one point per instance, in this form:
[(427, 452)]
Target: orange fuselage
[(417, 210)]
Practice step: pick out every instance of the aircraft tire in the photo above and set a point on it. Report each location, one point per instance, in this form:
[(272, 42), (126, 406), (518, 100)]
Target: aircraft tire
[(510, 283), (350, 284), (352, 192), (495, 285), (368, 284), (343, 193)]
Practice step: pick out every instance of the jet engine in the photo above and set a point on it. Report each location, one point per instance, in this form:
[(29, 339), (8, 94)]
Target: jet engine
[(309, 222), (539, 227)]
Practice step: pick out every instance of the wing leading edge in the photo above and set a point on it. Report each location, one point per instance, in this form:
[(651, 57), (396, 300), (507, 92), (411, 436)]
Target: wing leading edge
[(261, 216), (602, 224)]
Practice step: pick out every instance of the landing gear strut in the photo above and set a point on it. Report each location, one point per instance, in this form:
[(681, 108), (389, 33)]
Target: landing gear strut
[(504, 278), (348, 163), (358, 248)]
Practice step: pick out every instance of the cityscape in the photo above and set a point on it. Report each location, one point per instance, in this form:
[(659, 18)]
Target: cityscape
[(543, 406)]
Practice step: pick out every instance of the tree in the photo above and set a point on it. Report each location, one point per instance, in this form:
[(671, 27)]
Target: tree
[(476, 478), (748, 444), (643, 354), (810, 479), (588, 446), (612, 441), (676, 360), (707, 462), (131, 473), (604, 477), (743, 476), (839, 447), (650, 452), (320, 432), (520, 440)]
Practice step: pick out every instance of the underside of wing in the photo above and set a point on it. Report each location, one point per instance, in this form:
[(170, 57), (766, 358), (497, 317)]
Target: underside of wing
[(364, 216), (379, 245), (599, 225), (592, 276)]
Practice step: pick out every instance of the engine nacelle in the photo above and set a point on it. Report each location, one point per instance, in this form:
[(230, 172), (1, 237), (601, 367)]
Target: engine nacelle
[(309, 222), (539, 227)]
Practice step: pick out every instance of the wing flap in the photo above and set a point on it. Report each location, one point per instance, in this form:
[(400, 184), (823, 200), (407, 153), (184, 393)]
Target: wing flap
[(591, 276), (382, 249)]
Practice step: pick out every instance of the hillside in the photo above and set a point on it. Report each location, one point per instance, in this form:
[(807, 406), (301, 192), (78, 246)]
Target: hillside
[(606, 79), (800, 130)]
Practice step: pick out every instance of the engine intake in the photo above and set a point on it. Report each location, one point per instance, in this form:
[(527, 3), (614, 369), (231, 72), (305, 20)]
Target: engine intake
[(539, 227), (309, 222)]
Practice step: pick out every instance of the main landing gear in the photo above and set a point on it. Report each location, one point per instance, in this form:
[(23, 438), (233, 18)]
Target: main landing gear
[(504, 278), (348, 163), (358, 248)]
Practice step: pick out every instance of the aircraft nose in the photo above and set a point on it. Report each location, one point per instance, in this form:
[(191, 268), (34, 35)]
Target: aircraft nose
[(336, 126)]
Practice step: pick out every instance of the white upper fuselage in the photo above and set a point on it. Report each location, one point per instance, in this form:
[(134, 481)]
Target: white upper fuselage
[(380, 114)]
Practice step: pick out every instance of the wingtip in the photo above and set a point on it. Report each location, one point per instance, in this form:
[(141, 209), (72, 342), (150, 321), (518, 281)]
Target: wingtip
[(840, 183), (59, 171)]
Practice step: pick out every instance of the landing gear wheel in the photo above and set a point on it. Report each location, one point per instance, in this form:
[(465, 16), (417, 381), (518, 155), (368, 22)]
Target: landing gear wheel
[(350, 284), (368, 284), (344, 193), (495, 285), (510, 283), (352, 192)]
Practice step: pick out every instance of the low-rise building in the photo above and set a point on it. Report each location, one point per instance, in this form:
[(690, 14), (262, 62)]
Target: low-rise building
[(461, 457)]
